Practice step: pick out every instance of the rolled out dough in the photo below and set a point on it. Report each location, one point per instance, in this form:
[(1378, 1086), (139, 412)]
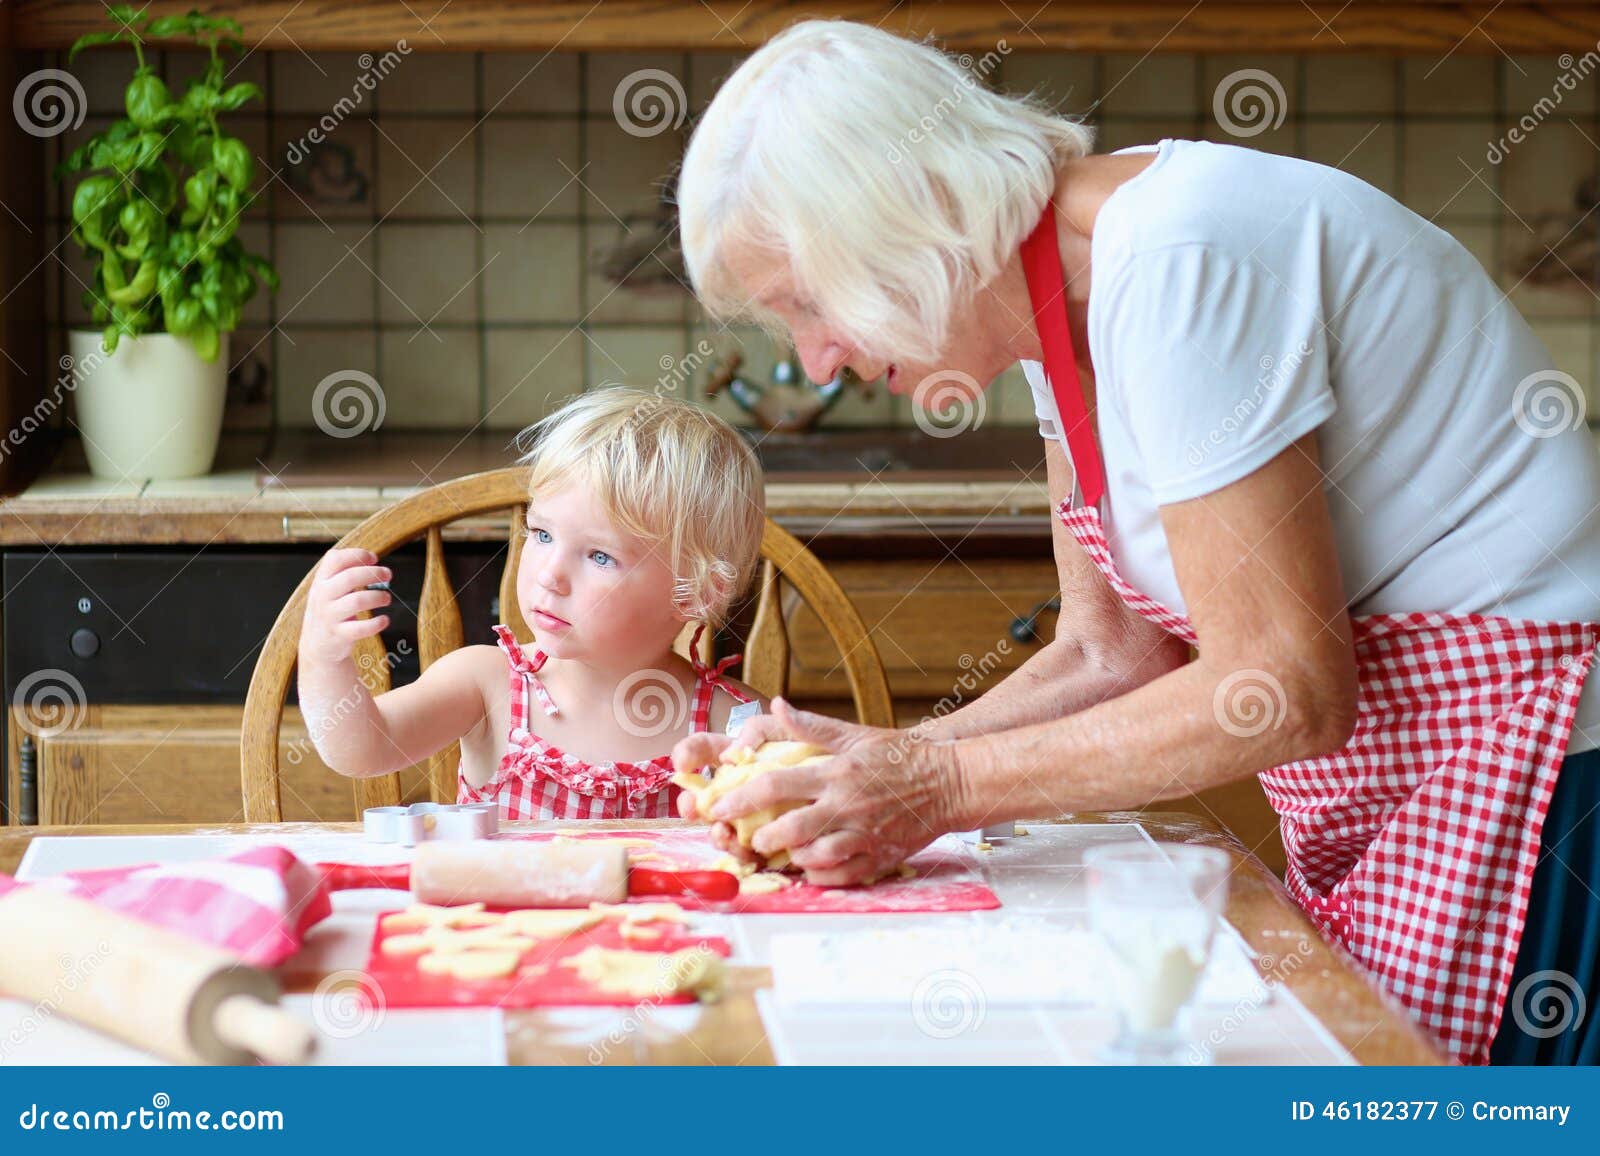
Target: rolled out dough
[(470, 964), (651, 974), (742, 766), (428, 915)]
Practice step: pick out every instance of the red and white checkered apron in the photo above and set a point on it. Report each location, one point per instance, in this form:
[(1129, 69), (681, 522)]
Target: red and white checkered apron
[(1413, 846), (538, 781)]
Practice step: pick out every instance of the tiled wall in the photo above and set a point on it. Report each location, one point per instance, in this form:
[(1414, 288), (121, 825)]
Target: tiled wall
[(446, 238)]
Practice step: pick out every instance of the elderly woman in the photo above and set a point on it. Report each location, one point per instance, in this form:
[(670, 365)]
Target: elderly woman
[(1287, 423)]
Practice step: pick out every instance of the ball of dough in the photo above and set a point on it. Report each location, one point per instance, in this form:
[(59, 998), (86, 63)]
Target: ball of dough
[(743, 765)]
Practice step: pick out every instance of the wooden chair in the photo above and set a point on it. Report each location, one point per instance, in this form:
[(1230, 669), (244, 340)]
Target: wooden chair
[(439, 631)]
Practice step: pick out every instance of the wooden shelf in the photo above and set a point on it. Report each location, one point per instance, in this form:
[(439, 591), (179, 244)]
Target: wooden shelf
[(1413, 26)]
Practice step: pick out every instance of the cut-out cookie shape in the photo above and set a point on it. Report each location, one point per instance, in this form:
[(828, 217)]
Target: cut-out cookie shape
[(651, 974)]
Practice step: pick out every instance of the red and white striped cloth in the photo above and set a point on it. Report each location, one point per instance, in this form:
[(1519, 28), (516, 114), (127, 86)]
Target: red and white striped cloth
[(536, 780), (258, 904)]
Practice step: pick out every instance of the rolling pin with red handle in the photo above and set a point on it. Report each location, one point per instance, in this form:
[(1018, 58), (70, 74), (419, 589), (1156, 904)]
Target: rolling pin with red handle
[(527, 875), (162, 992)]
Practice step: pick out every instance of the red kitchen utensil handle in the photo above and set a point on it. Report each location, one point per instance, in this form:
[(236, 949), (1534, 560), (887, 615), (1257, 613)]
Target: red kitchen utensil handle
[(705, 884), (352, 876)]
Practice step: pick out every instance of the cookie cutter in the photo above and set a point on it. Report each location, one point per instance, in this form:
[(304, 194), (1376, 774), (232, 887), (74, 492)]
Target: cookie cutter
[(421, 822)]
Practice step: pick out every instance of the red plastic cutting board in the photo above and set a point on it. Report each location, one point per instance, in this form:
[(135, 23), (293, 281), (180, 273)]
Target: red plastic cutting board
[(540, 981), (945, 880)]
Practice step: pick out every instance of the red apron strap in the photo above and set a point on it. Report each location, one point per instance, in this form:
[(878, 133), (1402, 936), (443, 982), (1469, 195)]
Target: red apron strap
[(1041, 264)]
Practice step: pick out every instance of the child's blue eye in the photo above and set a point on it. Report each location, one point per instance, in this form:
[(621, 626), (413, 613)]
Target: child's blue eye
[(602, 558), (541, 536)]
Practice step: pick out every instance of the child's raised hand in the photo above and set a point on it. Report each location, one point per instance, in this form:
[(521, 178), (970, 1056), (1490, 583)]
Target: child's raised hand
[(331, 629)]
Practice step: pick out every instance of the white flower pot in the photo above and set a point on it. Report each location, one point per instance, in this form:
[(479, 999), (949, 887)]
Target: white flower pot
[(153, 409)]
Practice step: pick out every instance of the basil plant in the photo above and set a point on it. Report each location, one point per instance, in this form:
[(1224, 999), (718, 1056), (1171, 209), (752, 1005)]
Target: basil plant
[(165, 186)]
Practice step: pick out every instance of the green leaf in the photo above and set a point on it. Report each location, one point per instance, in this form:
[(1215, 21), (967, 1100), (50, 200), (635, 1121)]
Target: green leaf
[(147, 150), (238, 95), (94, 195), (160, 186), (184, 316), (145, 99), (233, 160), (111, 275), (201, 99), (263, 269), (198, 191), (206, 340), (92, 205), (138, 290), (165, 26), (92, 40)]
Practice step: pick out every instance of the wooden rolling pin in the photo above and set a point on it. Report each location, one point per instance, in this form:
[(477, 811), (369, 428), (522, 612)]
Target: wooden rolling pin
[(182, 999), (524, 874)]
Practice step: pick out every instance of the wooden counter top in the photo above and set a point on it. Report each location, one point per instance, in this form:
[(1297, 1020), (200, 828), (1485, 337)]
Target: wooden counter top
[(283, 497), (1365, 1022), (1424, 26)]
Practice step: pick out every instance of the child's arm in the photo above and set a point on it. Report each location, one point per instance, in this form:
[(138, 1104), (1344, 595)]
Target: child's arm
[(354, 733)]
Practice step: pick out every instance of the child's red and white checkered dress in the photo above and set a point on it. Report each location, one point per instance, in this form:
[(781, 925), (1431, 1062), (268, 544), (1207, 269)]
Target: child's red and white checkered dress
[(538, 781), (1414, 846)]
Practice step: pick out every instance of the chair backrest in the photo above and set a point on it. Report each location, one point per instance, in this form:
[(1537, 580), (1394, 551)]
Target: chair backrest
[(766, 664)]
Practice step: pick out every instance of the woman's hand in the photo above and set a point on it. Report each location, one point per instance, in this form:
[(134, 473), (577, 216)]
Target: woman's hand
[(884, 795)]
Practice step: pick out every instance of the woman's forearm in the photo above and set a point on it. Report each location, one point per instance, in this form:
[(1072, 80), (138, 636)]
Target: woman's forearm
[(1171, 737), (1061, 679)]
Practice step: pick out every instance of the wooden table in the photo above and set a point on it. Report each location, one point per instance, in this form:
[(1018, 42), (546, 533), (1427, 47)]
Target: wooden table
[(1367, 1023)]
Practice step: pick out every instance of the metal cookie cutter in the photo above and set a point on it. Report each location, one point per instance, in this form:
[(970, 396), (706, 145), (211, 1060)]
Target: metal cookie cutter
[(411, 825)]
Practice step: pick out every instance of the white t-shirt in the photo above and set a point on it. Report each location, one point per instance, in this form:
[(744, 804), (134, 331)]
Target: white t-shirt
[(1241, 300)]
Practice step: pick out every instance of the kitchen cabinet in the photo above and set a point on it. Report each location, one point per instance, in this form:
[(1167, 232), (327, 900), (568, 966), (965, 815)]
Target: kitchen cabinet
[(943, 625), (157, 764)]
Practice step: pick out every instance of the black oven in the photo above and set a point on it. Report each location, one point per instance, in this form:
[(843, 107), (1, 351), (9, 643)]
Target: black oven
[(166, 624)]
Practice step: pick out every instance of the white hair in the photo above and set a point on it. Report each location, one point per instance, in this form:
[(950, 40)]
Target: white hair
[(885, 175)]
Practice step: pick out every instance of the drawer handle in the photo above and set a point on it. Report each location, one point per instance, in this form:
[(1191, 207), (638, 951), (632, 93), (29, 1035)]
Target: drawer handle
[(1026, 628)]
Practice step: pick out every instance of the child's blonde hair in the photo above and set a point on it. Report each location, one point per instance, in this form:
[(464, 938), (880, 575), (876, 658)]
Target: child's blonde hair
[(665, 471)]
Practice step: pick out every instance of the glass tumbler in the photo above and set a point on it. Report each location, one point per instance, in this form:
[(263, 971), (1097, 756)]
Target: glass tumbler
[(1155, 908)]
